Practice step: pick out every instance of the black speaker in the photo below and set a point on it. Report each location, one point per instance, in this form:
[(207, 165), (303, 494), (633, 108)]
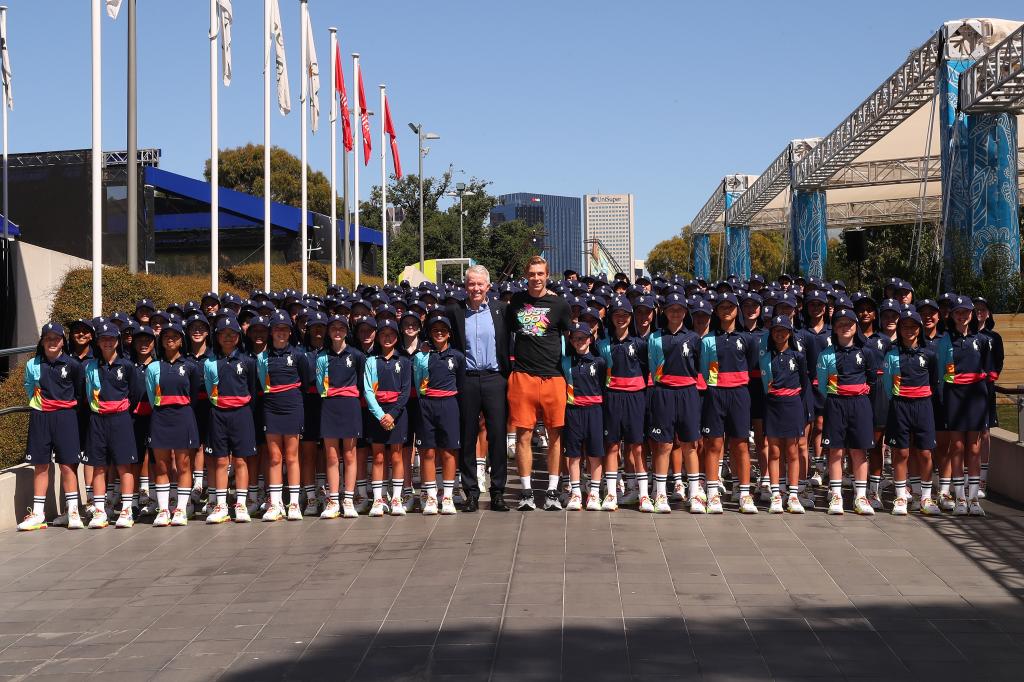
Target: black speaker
[(856, 245)]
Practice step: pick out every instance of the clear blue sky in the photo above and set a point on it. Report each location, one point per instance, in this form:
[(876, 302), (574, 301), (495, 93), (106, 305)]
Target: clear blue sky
[(656, 98)]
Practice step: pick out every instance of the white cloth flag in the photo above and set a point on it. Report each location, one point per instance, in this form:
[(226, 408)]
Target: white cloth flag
[(313, 76), (113, 7), (284, 93), (6, 57), (225, 14)]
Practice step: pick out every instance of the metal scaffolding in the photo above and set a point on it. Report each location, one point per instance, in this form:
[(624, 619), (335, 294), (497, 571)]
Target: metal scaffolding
[(995, 82)]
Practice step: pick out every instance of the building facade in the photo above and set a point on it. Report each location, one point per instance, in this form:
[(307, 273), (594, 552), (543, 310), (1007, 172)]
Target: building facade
[(609, 219), (562, 239)]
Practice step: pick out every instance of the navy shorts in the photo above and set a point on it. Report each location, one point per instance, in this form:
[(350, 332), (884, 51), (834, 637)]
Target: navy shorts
[(785, 416), (258, 422), (111, 440), (53, 433), (726, 412), (311, 406), (201, 409), (849, 423), (283, 413), (173, 428), (993, 414), (413, 408), (965, 407), (232, 432), (584, 431), (438, 423), (624, 413), (674, 413), (910, 424), (341, 417), (140, 427), (376, 435)]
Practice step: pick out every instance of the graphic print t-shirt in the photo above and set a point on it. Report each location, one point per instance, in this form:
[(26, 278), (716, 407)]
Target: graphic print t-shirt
[(538, 325)]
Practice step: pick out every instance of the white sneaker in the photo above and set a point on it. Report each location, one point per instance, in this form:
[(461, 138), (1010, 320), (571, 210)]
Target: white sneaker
[(430, 506), (929, 508), (551, 502), (378, 508), (661, 505), (815, 480), (362, 504), (776, 504), (397, 508), (312, 508), (75, 520), (961, 509), (863, 507), (575, 502), (645, 505), (526, 502), (982, 493), (714, 505), (179, 518), (593, 502), (679, 492), (610, 503), (448, 506), (899, 506), (275, 512), (32, 522), (163, 519), (946, 502), (293, 512), (98, 520), (241, 513), (875, 502), (631, 496), (125, 519), (332, 510), (698, 504), (348, 510), (974, 508), (747, 505), (409, 503), (206, 508), (793, 504), (219, 514), (835, 504)]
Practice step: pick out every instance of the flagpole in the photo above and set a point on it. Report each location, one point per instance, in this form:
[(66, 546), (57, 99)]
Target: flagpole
[(383, 183), (3, 20), (266, 145), (133, 143), (345, 253), (334, 158), (357, 115), (304, 17), (214, 156), (97, 162)]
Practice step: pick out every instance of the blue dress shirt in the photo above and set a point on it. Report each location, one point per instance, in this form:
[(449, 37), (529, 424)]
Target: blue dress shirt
[(481, 351)]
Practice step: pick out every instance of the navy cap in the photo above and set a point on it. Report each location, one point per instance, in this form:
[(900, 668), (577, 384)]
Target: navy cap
[(439, 319), (782, 321), (81, 323), (279, 319), (145, 303), (259, 321), (889, 304), (340, 319), (787, 299), (144, 330), (230, 298), (751, 296), (386, 309), (926, 302), (107, 329), (51, 328), (315, 317), (173, 327), (860, 297), (387, 324), (699, 304), (579, 328), (839, 284), (815, 295), (645, 301), (783, 276), (591, 313), (962, 303), (675, 298), (368, 321), (228, 323), (909, 313), (843, 301), (192, 319), (210, 295), (903, 285), (726, 298), (120, 318), (621, 303), (844, 314)]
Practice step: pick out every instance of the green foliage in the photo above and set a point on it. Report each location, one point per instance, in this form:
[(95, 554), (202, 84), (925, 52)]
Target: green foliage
[(671, 256), (15, 426), (675, 255), (241, 168)]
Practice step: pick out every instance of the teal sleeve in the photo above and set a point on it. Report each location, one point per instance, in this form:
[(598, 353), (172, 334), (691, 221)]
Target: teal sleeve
[(369, 379), (823, 371), (889, 368), (152, 380), (31, 377), (420, 369), (210, 374)]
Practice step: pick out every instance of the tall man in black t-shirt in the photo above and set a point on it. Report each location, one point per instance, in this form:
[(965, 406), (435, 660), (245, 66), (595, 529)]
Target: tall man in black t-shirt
[(539, 320)]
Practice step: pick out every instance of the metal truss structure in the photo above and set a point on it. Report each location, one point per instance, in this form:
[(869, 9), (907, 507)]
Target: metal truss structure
[(147, 157), (767, 186), (995, 82), (859, 213)]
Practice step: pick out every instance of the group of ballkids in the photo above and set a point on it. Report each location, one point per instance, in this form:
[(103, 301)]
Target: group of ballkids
[(328, 406)]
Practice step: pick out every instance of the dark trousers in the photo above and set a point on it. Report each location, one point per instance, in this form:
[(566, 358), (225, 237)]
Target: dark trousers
[(483, 393)]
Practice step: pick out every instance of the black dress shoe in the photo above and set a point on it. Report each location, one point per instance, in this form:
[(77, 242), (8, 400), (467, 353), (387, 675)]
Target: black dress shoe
[(498, 502), (471, 505)]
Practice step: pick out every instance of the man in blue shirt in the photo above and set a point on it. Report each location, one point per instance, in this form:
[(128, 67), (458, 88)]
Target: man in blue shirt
[(480, 332)]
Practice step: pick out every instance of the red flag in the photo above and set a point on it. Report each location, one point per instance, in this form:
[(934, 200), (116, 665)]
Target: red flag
[(389, 128), (339, 86), (364, 119)]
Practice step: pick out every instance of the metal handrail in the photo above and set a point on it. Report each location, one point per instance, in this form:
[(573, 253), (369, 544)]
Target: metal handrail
[(14, 410), (20, 350)]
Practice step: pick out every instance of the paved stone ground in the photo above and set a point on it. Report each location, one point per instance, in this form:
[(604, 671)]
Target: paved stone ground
[(582, 596)]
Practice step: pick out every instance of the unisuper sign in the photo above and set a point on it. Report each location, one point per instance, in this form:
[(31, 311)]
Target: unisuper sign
[(605, 200)]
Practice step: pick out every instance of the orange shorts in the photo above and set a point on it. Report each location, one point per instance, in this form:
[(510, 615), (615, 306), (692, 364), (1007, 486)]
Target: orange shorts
[(531, 397)]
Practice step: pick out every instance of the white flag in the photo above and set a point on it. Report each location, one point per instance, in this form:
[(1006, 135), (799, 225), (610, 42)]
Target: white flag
[(113, 7), (225, 14), (6, 57), (313, 76), (284, 93)]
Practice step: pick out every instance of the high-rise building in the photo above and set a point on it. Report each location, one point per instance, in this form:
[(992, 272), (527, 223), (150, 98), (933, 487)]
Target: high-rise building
[(562, 239), (609, 219)]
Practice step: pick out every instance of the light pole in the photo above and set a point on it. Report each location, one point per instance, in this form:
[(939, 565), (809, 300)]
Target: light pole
[(420, 135), (460, 192)]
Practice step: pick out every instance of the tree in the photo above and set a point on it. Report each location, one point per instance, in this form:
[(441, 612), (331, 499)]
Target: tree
[(241, 169), (671, 257), (675, 256)]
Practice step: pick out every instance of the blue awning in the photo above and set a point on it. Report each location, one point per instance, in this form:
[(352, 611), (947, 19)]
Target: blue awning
[(237, 209), (12, 229)]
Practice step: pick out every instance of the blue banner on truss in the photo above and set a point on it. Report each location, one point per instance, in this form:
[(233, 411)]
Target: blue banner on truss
[(953, 138), (737, 244), (994, 208), (809, 223), (702, 256)]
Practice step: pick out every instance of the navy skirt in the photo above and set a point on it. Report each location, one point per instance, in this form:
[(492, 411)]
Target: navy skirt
[(376, 435), (283, 414), (784, 416), (341, 417), (173, 428), (965, 407)]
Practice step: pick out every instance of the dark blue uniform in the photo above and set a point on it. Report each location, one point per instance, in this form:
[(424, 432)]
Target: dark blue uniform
[(584, 400), (845, 378), (283, 372), (111, 390), (813, 344), (965, 363), (438, 378), (312, 403), (201, 407), (386, 386), (910, 377), (141, 414), (674, 410), (625, 404), (173, 387), (339, 380), (879, 397), (53, 390), (726, 359), (231, 383), (784, 381)]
